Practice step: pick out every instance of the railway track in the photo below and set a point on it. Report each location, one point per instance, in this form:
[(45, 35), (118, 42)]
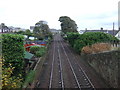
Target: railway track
[(81, 78), (89, 83), (61, 83), (71, 67), (51, 75), (63, 70)]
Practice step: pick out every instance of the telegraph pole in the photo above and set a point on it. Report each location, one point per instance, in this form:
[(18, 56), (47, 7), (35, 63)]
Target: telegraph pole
[(113, 29)]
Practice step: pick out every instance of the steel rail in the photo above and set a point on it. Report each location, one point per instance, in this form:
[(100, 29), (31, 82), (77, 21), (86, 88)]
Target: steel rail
[(61, 74), (71, 67), (51, 75), (81, 68)]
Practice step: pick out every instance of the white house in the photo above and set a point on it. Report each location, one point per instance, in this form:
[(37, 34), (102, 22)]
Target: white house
[(81, 31), (118, 35), (55, 31)]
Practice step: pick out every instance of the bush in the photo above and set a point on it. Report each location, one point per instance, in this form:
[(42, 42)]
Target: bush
[(96, 48), (9, 81), (13, 51), (38, 51), (78, 45), (100, 47), (86, 50), (33, 49), (72, 37), (78, 41)]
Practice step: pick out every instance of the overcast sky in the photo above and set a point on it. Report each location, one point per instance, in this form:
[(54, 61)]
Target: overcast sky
[(90, 14)]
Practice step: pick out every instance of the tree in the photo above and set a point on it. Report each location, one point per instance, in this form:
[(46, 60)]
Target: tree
[(28, 33), (41, 29), (20, 32), (4, 28), (67, 24)]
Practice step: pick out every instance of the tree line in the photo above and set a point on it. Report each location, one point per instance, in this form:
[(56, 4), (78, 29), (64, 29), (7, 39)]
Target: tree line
[(41, 31)]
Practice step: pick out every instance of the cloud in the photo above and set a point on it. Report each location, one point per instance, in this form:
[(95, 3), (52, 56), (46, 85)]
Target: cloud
[(86, 13)]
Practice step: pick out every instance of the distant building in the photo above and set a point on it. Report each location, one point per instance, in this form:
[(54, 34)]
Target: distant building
[(81, 31), (55, 31), (4, 29), (118, 35), (16, 29), (32, 27), (105, 31)]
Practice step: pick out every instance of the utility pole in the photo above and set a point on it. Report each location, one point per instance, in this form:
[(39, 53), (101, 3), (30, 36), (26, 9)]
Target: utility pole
[(113, 29)]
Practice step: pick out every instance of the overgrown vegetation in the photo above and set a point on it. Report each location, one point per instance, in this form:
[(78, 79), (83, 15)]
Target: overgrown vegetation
[(38, 51), (78, 41), (10, 81), (96, 48), (13, 52), (13, 61), (72, 37), (29, 78)]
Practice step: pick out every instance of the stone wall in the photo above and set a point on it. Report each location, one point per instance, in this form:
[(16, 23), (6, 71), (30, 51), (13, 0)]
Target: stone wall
[(107, 64)]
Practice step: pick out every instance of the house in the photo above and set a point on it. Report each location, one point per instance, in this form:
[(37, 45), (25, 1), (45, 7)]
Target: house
[(118, 35), (32, 28), (81, 31), (105, 31), (55, 31), (5, 29)]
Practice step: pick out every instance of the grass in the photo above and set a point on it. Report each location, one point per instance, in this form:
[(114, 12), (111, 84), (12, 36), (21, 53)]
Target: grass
[(29, 78)]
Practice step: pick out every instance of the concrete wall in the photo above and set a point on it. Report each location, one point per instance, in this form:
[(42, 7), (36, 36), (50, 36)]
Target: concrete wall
[(107, 64)]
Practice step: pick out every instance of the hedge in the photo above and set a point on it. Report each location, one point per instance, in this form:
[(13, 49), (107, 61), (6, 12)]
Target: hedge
[(13, 51)]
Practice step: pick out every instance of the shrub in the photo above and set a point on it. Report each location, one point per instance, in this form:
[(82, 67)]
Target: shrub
[(90, 38), (100, 47), (38, 51), (13, 51), (96, 48), (9, 81), (71, 37), (78, 45), (33, 49), (86, 50)]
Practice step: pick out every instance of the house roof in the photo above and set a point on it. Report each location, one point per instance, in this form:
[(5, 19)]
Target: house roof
[(105, 31), (28, 55)]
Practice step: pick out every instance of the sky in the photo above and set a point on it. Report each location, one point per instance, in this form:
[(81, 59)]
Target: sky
[(90, 14)]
